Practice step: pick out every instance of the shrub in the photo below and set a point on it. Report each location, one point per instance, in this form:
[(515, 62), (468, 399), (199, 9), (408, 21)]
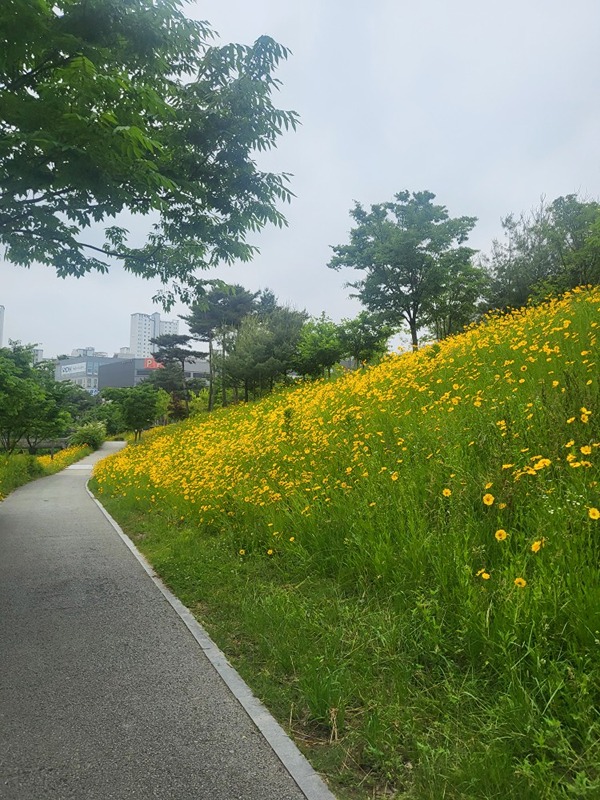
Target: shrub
[(93, 434), (15, 470)]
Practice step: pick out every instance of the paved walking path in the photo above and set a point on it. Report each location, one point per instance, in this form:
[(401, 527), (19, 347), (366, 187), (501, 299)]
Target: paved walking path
[(104, 691)]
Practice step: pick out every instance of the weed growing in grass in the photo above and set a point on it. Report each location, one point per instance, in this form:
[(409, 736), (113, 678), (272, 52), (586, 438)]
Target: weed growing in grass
[(412, 552)]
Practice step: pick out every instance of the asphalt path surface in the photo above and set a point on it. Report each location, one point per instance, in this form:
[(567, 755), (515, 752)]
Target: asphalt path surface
[(104, 693)]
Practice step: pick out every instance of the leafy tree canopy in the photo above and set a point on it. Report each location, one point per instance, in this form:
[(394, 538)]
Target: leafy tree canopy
[(173, 348), (319, 347), (553, 248), (403, 248), (222, 307), (109, 106), (364, 338), (140, 406), (33, 406), (265, 348)]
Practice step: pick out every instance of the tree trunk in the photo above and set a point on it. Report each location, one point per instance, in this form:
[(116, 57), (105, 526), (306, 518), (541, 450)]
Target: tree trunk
[(184, 386), (211, 379), (413, 334), (223, 389)]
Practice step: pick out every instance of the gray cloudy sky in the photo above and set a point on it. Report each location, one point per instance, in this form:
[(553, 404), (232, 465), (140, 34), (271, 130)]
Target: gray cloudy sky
[(490, 105)]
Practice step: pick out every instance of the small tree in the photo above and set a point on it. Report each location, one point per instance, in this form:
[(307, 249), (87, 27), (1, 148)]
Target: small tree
[(319, 347), (140, 406), (173, 350), (109, 414), (364, 338), (32, 405), (251, 362), (49, 415), (462, 289)]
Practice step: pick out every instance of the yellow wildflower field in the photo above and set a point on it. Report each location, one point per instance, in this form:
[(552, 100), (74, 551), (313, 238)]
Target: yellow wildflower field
[(412, 550)]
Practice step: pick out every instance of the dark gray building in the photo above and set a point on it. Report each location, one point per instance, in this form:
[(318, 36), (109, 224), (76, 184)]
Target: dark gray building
[(122, 373), (82, 370)]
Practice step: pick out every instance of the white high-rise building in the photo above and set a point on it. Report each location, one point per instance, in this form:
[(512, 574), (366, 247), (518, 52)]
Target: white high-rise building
[(145, 327)]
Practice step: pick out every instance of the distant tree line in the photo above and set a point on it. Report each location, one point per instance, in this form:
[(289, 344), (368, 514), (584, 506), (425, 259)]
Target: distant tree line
[(252, 343), (34, 407), (417, 272), (38, 412)]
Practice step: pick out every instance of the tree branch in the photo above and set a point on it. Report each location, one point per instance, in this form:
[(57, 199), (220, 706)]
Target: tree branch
[(26, 79), (111, 253), (39, 199)]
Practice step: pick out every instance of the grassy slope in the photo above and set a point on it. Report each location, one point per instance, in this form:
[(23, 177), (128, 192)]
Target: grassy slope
[(404, 563)]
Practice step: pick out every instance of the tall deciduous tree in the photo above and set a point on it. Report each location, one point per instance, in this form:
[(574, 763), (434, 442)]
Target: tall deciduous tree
[(49, 415), (403, 249), (109, 106)]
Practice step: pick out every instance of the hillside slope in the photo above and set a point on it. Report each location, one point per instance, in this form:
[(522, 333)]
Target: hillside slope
[(406, 559)]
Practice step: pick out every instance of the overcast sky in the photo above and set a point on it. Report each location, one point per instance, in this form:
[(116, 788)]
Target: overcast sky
[(490, 105)]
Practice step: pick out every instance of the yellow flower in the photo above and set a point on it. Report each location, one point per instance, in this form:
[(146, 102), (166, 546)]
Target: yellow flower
[(292, 538), (543, 462), (488, 499), (488, 485), (537, 545), (586, 450), (242, 552), (501, 535), (446, 492), (485, 576), (520, 582), (269, 552), (593, 513)]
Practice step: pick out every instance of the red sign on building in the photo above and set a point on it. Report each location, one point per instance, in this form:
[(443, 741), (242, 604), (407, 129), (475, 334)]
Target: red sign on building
[(151, 363)]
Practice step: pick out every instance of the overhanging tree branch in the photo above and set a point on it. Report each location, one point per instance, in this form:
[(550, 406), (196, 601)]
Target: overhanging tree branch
[(116, 124)]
